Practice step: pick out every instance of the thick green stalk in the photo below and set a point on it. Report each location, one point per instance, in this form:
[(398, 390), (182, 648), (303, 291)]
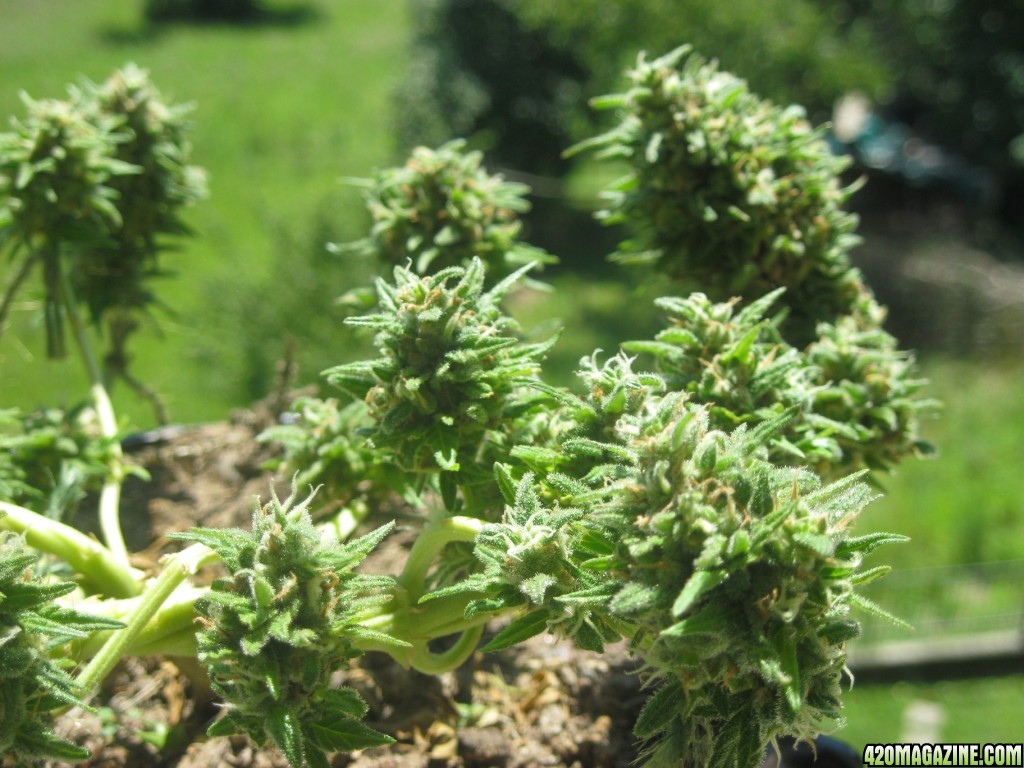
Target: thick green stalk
[(176, 569), (85, 555), (419, 624), (422, 659), (110, 496), (171, 630), (344, 522), (428, 545)]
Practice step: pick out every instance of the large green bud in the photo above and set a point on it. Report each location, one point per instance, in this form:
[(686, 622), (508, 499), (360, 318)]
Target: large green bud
[(34, 682), (450, 383), (280, 624), (443, 209), (57, 172), (149, 202), (728, 192), (739, 578)]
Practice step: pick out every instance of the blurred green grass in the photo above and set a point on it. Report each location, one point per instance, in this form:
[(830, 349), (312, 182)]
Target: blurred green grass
[(965, 505), (969, 711)]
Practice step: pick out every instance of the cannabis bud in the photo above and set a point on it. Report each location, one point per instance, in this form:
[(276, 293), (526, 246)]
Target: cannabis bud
[(32, 682), (853, 390), (152, 140), (451, 377), (56, 184), (280, 624), (729, 192), (738, 576), (442, 209)]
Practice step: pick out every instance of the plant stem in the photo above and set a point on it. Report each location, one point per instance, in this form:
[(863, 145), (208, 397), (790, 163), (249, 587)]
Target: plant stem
[(176, 568), (422, 659), (92, 560), (171, 630), (429, 543), (110, 496), (12, 289), (419, 624), (343, 523)]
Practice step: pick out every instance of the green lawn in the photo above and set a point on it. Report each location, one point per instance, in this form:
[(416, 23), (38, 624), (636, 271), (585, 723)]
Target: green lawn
[(283, 111), (970, 711), (966, 504)]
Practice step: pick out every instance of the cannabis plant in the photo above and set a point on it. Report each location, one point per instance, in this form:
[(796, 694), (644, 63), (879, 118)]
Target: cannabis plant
[(696, 503), (855, 392), (278, 627), (36, 679), (56, 172), (50, 459), (449, 392)]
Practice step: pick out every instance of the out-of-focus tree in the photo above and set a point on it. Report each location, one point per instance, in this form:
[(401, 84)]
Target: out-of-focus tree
[(222, 10), (956, 69), (477, 71), (791, 51)]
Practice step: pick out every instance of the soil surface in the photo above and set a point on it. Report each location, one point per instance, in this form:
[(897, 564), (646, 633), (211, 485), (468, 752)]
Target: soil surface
[(544, 703)]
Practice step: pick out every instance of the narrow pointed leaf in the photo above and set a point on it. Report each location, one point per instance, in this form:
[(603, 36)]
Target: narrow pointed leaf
[(698, 585), (666, 703), (519, 630), (343, 734), (284, 729)]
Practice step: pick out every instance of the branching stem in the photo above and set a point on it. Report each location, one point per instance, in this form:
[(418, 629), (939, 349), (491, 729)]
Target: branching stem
[(428, 545), (12, 289), (87, 556), (176, 568), (171, 630), (422, 659)]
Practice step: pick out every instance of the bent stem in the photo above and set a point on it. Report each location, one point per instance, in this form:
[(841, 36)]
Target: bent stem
[(97, 564), (344, 522), (422, 659), (170, 632), (428, 545), (110, 496), (417, 625), (176, 568)]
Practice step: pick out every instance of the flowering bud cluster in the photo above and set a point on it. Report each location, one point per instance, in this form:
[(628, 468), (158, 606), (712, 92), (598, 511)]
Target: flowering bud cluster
[(451, 379), (93, 179), (443, 209), (728, 192), (279, 625), (35, 681)]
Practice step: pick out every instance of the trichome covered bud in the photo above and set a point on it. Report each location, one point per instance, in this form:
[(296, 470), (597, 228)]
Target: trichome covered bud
[(280, 624), (729, 192), (449, 384), (739, 578), (33, 684), (153, 140), (443, 209), (853, 391)]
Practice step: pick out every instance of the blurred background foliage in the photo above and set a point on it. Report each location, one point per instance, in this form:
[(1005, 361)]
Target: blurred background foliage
[(294, 95)]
